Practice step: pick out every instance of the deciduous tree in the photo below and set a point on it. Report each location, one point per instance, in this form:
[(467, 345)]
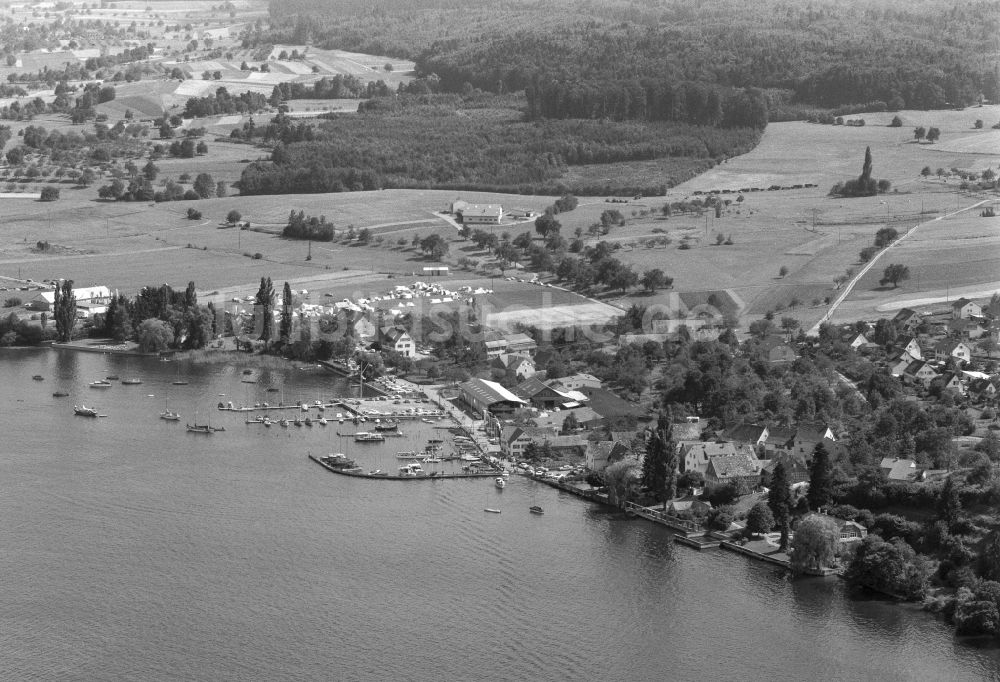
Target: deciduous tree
[(894, 274), (815, 543)]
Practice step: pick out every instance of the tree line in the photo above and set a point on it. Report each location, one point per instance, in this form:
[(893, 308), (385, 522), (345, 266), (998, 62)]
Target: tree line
[(647, 100)]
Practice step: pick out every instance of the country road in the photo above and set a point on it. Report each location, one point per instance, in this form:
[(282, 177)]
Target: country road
[(814, 331)]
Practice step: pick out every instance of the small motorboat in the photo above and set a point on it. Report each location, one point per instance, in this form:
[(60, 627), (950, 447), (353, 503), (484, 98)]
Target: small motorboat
[(491, 510), (322, 421), (60, 394), (132, 381), (84, 411), (38, 377), (535, 509), (100, 383), (283, 422), (112, 377)]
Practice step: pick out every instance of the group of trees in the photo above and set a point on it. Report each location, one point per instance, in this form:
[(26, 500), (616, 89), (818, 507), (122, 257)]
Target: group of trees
[(301, 226), (865, 185), (414, 147), (159, 317), (223, 103)]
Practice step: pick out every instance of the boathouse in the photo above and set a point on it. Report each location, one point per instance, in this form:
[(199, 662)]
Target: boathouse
[(488, 396)]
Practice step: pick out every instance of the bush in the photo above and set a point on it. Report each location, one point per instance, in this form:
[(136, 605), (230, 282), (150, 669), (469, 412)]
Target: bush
[(258, 256), (50, 194), (191, 195), (12, 302), (193, 214)]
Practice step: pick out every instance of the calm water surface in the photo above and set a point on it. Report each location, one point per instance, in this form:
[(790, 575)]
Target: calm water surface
[(134, 550)]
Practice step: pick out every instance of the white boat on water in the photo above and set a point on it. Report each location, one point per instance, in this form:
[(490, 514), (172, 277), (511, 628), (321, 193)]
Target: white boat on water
[(84, 411), (411, 469)]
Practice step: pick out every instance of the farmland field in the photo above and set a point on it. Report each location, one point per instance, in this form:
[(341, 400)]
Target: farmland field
[(814, 236)]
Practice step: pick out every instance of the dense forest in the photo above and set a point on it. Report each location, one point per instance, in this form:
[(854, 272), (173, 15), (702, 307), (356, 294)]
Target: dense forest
[(443, 141), (925, 54)]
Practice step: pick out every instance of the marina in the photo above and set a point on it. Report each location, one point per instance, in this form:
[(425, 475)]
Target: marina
[(414, 476), (184, 516)]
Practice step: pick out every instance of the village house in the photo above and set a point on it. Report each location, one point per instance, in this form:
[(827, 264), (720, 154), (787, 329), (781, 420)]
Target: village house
[(601, 453), (898, 362), (492, 345), (808, 436), (910, 346), (755, 435), (522, 367), (963, 309), (577, 381), (569, 445), (920, 371), (515, 439), (741, 469), (398, 340), (520, 344), (775, 350), (857, 341), (796, 469), (585, 417), (952, 382), (982, 389), (907, 321), (966, 328), (849, 531), (900, 469), (952, 348), (696, 455)]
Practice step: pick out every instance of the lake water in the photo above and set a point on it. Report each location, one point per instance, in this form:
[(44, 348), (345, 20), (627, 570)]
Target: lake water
[(132, 549)]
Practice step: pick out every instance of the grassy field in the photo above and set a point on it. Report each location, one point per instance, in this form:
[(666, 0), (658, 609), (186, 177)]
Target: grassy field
[(815, 236)]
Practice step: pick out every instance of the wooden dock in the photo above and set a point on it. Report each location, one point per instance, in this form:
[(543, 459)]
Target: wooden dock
[(384, 476)]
